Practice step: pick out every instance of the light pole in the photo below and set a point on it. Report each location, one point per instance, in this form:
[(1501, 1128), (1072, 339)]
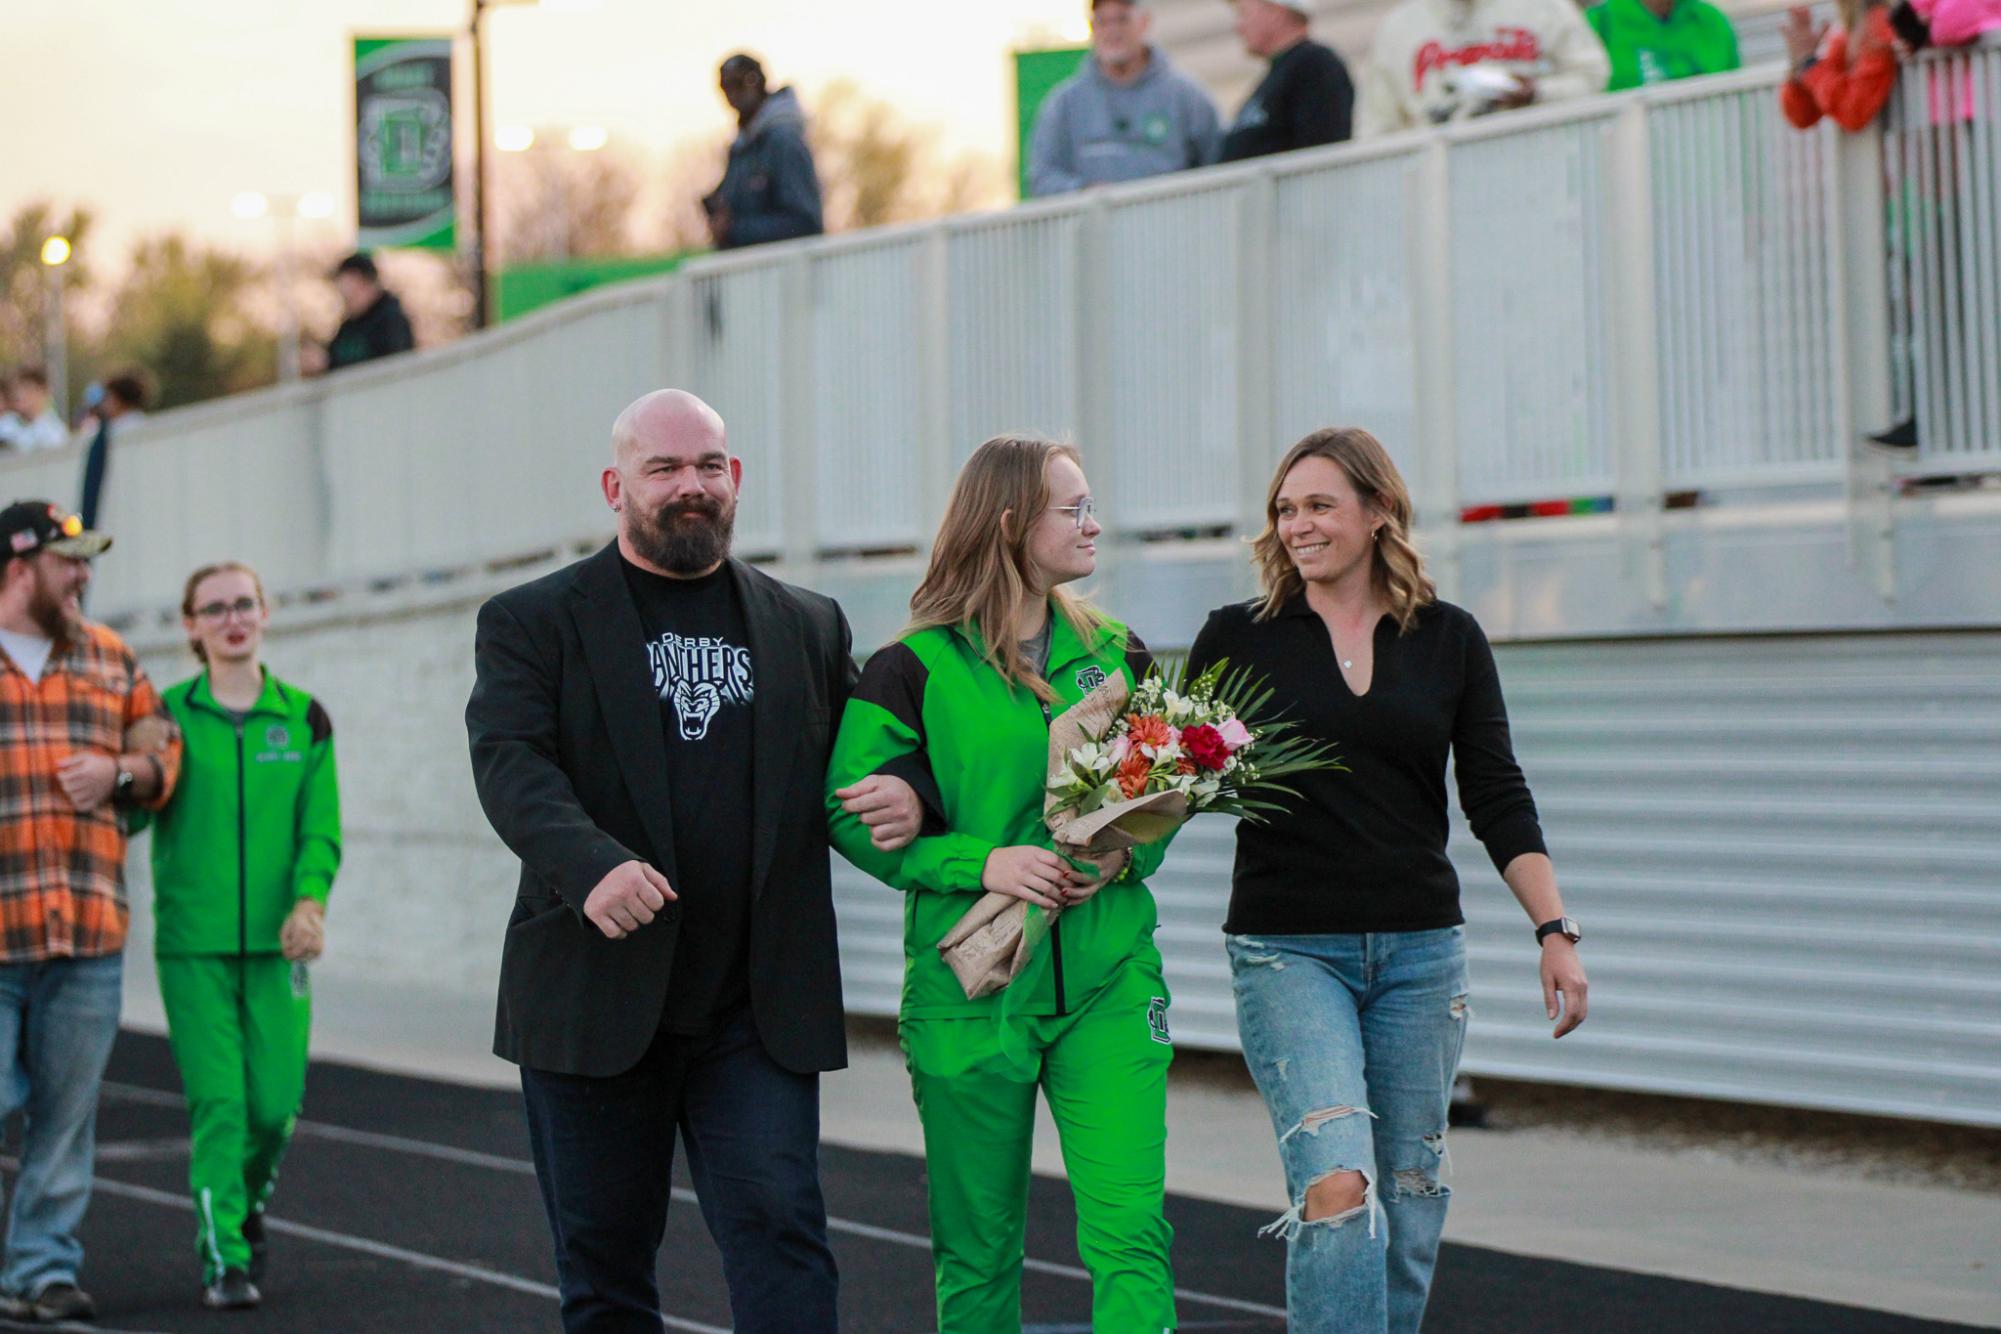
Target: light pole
[(479, 254), (283, 210), (55, 254)]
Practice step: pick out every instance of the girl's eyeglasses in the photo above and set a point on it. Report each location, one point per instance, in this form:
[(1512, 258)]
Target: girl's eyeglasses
[(216, 611), (1085, 510)]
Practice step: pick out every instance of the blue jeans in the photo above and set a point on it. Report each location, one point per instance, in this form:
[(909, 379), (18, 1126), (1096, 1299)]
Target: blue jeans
[(1354, 1041), (58, 1020), (604, 1154)]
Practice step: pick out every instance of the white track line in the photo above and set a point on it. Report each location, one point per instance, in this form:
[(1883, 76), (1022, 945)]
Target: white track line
[(369, 1139), (382, 1250)]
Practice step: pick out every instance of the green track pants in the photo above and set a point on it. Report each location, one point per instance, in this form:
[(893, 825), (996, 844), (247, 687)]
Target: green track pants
[(239, 1028), (1104, 1073)]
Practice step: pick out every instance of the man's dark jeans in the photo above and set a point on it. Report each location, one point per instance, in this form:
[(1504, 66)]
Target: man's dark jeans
[(604, 1153)]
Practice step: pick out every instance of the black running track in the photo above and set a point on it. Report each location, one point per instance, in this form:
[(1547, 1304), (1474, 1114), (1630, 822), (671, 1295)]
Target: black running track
[(408, 1204)]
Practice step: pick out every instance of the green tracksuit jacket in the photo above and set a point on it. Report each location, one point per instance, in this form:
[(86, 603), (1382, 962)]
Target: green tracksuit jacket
[(254, 827), (1094, 1019), (988, 747)]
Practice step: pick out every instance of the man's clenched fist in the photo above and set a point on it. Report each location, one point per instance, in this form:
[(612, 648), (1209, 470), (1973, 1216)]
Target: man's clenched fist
[(627, 898)]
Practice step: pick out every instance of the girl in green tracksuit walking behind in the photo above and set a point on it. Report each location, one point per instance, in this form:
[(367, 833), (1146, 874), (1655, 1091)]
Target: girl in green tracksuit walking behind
[(995, 648), (243, 860)]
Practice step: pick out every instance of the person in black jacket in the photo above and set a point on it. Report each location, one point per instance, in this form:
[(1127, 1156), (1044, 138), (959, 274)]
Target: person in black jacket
[(374, 324), (650, 730), (1345, 937), (769, 190), (1306, 98)]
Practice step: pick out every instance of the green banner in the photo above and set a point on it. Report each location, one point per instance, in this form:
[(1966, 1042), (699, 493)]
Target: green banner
[(1035, 74), (520, 288), (403, 143)]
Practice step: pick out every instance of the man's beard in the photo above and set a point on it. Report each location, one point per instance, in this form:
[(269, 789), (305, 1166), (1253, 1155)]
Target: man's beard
[(46, 608), (685, 536)]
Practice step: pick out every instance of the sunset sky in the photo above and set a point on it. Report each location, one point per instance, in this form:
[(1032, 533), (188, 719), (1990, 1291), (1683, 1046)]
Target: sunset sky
[(158, 115)]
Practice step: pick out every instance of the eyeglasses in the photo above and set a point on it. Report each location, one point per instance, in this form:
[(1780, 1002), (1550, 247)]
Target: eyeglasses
[(216, 611), (1085, 510)]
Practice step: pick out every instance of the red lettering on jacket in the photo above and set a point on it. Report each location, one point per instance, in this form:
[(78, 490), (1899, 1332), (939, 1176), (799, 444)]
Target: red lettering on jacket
[(1516, 44)]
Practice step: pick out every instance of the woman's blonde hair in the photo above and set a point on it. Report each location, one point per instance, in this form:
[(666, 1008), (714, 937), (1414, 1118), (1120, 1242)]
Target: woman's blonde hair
[(980, 573), (195, 581), (1396, 567)]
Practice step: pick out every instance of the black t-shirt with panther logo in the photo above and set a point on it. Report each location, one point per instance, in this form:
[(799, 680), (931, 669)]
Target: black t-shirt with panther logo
[(698, 657)]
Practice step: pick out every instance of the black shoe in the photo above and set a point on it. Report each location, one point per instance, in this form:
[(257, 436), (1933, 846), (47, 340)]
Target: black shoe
[(61, 1301), (260, 1249), (1904, 435), (232, 1292)]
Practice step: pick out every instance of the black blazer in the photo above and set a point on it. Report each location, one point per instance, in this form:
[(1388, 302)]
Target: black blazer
[(575, 795)]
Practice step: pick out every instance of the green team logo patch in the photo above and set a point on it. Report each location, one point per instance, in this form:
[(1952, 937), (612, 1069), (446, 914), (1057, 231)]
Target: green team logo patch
[(1090, 678), (1156, 1021), (1156, 129), (277, 737)]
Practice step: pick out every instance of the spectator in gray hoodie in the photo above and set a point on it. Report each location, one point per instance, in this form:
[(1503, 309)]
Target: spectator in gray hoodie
[(769, 191), (1126, 114)]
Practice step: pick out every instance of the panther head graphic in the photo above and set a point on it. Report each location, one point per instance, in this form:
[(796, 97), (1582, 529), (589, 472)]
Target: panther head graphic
[(694, 707)]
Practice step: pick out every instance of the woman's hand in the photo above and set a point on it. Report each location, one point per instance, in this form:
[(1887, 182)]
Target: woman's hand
[(1081, 885), (1034, 875), (1802, 35), (1563, 975), (304, 934)]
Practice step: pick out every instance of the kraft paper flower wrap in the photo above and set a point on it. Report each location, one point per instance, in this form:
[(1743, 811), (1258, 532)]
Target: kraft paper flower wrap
[(991, 944), (1127, 769)]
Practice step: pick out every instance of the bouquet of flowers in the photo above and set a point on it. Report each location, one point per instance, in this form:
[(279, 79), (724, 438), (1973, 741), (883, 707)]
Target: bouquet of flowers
[(1128, 768)]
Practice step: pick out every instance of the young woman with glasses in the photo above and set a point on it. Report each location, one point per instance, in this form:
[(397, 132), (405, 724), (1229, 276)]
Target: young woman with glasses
[(996, 647), (243, 860)]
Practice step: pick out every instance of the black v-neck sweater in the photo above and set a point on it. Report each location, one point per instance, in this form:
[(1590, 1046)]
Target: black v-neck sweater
[(1364, 850)]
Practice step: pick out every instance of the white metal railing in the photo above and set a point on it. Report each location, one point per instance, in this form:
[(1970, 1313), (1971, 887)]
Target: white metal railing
[(1944, 167), (1625, 295)]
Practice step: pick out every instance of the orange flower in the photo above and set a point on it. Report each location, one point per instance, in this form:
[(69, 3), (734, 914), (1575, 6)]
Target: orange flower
[(1149, 729), (1184, 765), (1132, 774)]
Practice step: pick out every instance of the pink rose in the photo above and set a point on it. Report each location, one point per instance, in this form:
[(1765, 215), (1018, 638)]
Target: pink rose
[(1235, 735)]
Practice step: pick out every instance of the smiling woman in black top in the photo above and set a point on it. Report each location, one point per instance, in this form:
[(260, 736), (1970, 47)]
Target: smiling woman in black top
[(1344, 930)]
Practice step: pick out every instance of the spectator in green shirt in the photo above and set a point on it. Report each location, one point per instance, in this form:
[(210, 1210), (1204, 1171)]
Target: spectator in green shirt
[(1652, 41)]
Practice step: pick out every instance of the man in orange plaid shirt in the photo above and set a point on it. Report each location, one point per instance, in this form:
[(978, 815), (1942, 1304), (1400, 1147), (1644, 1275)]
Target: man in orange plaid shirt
[(83, 738)]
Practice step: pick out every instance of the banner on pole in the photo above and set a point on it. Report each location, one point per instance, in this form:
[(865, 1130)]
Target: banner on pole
[(403, 147)]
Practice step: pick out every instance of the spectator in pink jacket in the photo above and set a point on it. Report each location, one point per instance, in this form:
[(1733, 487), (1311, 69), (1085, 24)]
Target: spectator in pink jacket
[(1957, 22)]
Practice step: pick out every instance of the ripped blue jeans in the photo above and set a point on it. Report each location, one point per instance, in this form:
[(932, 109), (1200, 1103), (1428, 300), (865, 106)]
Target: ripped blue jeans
[(1354, 1041)]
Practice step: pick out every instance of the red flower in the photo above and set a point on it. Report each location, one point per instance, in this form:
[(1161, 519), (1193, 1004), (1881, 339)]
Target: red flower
[(1206, 744)]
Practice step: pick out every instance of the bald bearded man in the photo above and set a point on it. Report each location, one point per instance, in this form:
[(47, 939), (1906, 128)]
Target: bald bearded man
[(650, 730)]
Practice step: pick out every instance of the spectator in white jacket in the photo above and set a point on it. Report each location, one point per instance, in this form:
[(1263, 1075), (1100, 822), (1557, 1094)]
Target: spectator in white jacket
[(1442, 60)]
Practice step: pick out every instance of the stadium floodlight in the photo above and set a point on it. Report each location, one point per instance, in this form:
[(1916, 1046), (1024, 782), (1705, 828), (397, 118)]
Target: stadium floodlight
[(589, 138), (250, 205), (514, 138), (56, 251)]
